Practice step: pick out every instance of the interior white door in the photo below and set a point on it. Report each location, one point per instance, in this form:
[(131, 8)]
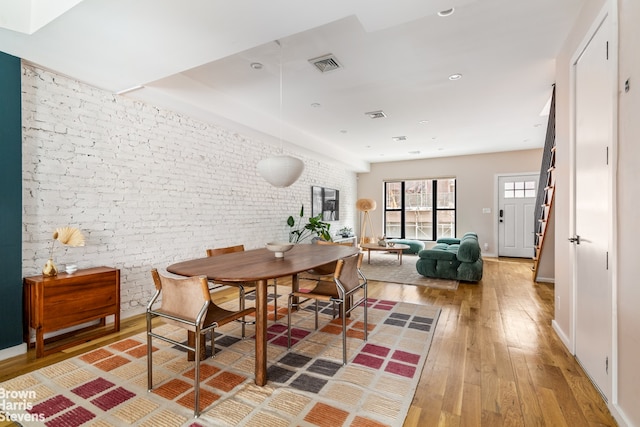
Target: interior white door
[(593, 91), (516, 210)]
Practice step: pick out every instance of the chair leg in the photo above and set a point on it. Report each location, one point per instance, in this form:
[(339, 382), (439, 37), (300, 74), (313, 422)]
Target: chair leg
[(366, 328), (275, 300), (289, 321), (149, 355), (196, 386), (316, 315), (241, 303), (343, 311), (213, 343)]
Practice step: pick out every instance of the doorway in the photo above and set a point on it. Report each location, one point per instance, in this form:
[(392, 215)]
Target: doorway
[(592, 195), (516, 211)]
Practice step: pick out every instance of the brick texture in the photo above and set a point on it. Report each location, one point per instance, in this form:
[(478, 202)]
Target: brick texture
[(147, 186)]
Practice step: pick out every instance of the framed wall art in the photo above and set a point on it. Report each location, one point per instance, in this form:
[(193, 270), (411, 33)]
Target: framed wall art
[(325, 201)]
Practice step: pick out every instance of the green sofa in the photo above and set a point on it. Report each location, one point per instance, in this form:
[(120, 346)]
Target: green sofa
[(450, 258)]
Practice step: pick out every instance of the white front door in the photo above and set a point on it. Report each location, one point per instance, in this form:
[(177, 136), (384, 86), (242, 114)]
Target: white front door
[(593, 89), (516, 210)]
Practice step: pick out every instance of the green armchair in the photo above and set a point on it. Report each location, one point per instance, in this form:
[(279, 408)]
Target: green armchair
[(450, 258)]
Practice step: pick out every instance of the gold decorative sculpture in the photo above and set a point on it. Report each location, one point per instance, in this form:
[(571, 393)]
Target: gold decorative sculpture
[(69, 236)]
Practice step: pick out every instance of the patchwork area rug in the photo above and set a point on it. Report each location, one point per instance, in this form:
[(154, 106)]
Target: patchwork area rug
[(384, 267), (307, 386)]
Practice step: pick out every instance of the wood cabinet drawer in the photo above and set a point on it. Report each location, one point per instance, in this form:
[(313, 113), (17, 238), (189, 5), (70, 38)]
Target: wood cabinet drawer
[(67, 300)]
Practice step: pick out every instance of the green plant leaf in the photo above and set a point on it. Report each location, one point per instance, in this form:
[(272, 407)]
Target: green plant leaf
[(314, 227)]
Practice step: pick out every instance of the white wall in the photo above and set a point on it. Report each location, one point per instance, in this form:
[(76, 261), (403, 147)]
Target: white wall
[(148, 187), (563, 264), (475, 184), (627, 209), (626, 292)]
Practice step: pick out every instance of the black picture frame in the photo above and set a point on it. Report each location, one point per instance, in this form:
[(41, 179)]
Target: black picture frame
[(325, 201)]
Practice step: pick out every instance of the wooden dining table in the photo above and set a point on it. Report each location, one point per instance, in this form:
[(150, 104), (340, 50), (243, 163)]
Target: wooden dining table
[(261, 265)]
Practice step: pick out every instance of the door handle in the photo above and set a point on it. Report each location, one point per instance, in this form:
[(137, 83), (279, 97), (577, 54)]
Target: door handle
[(501, 214), (575, 239)]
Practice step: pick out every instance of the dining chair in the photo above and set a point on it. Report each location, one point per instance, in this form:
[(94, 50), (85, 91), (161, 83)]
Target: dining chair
[(325, 270), (347, 281), (244, 288), (186, 302)]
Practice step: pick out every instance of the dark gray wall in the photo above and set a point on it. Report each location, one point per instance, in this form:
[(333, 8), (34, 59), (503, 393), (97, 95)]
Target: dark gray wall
[(10, 202)]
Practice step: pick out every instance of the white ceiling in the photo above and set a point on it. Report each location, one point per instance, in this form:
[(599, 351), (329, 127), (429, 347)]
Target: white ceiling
[(194, 57)]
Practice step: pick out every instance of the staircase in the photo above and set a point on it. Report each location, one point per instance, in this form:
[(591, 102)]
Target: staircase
[(546, 189)]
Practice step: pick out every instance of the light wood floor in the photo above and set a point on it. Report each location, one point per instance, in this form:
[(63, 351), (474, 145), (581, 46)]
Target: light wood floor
[(494, 361)]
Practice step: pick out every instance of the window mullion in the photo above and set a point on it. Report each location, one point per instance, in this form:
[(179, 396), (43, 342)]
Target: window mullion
[(403, 216), (434, 210)]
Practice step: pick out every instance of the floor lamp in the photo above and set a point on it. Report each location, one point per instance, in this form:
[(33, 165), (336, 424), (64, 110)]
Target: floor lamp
[(364, 206)]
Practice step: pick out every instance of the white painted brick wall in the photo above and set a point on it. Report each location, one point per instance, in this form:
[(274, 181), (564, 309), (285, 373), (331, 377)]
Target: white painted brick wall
[(147, 186)]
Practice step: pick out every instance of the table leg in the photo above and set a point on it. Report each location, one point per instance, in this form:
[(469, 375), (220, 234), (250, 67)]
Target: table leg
[(261, 333), (400, 255), (39, 342), (191, 342), (295, 287), (368, 256)]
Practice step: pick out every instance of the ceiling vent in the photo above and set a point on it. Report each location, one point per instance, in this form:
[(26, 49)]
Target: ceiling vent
[(376, 114), (326, 63)]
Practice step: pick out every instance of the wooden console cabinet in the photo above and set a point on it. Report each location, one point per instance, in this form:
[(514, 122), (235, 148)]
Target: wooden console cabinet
[(67, 300)]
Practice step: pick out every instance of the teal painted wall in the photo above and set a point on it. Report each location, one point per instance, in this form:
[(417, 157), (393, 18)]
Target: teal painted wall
[(10, 202)]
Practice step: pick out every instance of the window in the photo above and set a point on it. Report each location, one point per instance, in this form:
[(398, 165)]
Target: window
[(519, 189), (420, 209)]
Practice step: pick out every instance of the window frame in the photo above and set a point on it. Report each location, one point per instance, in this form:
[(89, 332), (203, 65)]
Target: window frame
[(434, 204)]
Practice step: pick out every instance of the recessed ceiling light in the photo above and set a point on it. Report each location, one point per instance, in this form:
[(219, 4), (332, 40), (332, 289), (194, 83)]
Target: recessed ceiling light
[(256, 66), (423, 122), (399, 138), (315, 105), (455, 76), (447, 12), (343, 131), (414, 152)]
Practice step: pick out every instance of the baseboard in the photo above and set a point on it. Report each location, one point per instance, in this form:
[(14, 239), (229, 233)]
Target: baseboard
[(565, 339), (546, 279), (619, 416), (131, 313), (16, 350)]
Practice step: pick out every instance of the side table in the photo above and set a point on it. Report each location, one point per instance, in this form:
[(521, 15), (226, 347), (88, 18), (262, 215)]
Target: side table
[(66, 300), (340, 239)]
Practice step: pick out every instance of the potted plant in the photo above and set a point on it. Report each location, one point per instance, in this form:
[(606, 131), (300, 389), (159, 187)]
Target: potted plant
[(314, 227), (345, 231)]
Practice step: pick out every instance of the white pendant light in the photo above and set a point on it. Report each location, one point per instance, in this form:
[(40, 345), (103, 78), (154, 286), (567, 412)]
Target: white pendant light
[(281, 170)]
